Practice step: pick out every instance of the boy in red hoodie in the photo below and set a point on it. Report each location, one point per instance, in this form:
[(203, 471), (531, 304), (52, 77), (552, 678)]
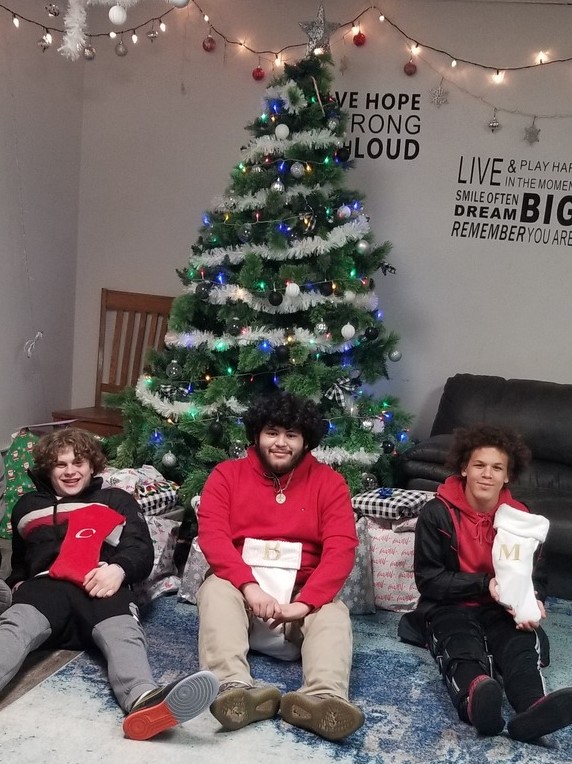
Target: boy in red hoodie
[(471, 635)]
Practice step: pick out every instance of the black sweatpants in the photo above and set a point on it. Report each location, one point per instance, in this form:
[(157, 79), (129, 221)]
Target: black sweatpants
[(469, 641)]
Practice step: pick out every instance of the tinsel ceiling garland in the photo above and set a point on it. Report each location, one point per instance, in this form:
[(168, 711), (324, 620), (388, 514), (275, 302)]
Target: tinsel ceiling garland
[(75, 21)]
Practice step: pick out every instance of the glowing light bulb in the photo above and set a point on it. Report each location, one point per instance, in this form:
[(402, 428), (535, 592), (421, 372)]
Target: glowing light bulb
[(206, 18), (381, 18), (355, 28), (162, 26), (16, 21), (415, 49), (48, 37), (134, 38), (498, 77), (453, 63), (113, 35)]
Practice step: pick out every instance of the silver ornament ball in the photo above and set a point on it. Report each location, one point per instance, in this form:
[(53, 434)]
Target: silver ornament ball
[(363, 247), (120, 49), (297, 170), (89, 52), (394, 355), (367, 425), (344, 212), (277, 186), (321, 328), (169, 459)]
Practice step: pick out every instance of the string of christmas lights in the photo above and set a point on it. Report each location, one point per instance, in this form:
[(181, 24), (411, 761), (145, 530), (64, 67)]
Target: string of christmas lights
[(415, 44)]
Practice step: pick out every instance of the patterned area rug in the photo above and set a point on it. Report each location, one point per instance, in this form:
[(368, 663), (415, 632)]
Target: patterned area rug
[(72, 718)]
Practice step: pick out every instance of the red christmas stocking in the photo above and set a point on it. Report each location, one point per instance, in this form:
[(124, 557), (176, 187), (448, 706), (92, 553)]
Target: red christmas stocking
[(87, 529)]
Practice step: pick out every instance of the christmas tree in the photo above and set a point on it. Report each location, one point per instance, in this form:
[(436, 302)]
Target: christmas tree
[(278, 293)]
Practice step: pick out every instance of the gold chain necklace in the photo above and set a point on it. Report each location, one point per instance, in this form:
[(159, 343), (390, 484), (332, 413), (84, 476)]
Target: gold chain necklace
[(280, 492)]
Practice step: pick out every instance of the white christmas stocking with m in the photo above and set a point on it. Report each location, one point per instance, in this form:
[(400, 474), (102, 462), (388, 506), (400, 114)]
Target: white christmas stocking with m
[(518, 535)]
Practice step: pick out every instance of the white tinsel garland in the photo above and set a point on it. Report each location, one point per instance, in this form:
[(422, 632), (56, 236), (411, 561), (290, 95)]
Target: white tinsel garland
[(75, 22), (176, 409), (267, 144), (228, 293), (342, 456), (298, 249), (259, 199)]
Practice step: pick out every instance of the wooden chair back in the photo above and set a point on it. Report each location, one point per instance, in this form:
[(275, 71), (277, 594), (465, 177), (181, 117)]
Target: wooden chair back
[(130, 324)]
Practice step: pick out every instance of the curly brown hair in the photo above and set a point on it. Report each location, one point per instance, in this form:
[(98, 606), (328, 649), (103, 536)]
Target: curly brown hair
[(84, 445), (468, 439)]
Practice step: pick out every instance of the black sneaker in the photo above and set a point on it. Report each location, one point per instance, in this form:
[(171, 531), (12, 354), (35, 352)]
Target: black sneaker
[(484, 705), (5, 596), (168, 706), (238, 704), (330, 717), (550, 713)]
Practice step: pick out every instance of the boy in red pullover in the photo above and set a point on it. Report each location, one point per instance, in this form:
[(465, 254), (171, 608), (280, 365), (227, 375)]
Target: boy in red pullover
[(281, 501), (471, 635)]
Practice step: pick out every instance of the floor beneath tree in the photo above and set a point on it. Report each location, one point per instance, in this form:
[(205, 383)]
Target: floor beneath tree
[(38, 666)]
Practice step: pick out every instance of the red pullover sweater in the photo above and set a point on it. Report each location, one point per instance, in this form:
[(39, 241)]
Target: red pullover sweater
[(238, 501)]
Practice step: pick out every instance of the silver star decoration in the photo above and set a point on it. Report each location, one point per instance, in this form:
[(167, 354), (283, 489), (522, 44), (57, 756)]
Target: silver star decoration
[(344, 63), (318, 32), (439, 96), (531, 133)]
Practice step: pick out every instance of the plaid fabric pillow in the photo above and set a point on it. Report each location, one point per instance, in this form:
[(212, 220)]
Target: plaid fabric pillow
[(390, 503)]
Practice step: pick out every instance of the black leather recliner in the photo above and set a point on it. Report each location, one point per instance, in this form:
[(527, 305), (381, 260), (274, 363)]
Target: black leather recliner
[(542, 413)]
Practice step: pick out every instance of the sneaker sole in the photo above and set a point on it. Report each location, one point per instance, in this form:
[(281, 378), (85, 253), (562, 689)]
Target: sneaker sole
[(548, 716), (485, 709), (186, 700), (333, 720), (239, 707)]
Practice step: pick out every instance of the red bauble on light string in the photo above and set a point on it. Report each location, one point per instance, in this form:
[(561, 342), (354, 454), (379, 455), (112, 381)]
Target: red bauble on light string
[(410, 67), (359, 39), (209, 43), (258, 74)]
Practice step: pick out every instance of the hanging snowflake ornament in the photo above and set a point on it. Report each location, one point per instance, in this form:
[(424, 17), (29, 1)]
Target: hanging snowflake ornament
[(439, 95), (531, 133), (318, 32), (494, 124)]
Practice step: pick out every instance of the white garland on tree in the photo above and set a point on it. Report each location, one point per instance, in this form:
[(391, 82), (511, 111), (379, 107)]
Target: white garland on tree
[(339, 455), (298, 249), (176, 409), (259, 199), (267, 144)]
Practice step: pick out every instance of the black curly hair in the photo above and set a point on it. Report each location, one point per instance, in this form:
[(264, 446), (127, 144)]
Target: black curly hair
[(468, 439), (283, 409)]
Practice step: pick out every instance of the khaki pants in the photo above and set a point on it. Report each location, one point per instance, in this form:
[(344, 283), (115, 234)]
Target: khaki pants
[(224, 624)]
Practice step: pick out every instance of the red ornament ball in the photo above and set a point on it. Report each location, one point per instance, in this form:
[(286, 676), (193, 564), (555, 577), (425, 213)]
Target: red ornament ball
[(258, 74), (410, 68), (359, 39), (209, 43)]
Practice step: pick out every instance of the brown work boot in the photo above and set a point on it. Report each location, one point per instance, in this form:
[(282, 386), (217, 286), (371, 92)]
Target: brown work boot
[(238, 704), (330, 717)]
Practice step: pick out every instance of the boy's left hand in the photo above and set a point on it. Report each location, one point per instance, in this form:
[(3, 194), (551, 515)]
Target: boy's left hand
[(104, 581)]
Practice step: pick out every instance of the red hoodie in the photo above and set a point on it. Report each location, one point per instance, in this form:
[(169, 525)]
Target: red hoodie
[(475, 531), (239, 501)]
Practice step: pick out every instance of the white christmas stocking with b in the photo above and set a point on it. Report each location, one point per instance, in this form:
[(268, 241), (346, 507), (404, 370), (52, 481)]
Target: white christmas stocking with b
[(275, 565), (518, 535)]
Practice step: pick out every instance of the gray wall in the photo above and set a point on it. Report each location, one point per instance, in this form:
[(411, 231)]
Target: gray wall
[(40, 138), (162, 129)]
